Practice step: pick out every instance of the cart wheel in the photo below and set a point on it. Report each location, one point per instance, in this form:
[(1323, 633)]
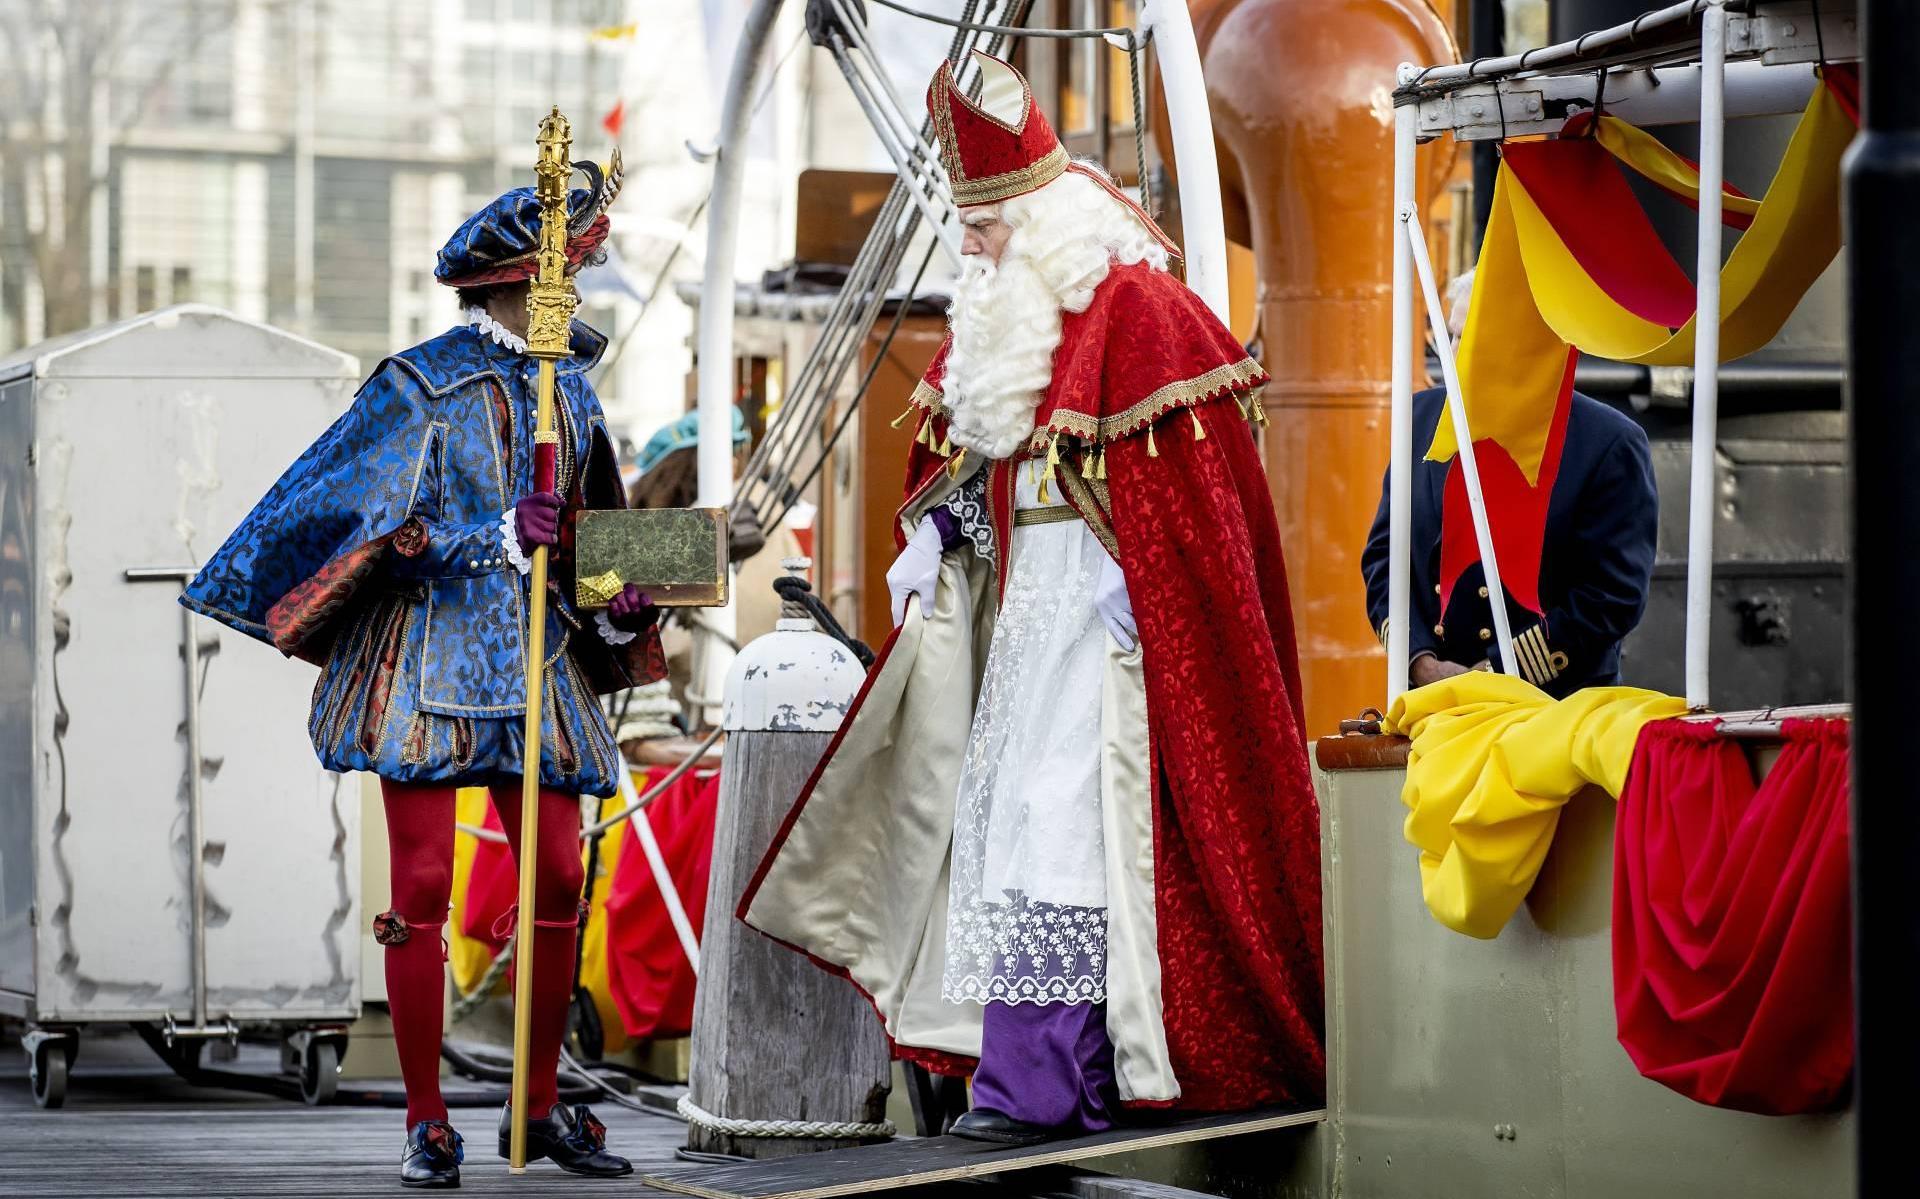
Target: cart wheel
[(48, 1072), (320, 1073)]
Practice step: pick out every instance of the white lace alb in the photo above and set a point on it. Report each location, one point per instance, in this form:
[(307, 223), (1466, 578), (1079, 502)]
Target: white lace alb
[(1027, 921)]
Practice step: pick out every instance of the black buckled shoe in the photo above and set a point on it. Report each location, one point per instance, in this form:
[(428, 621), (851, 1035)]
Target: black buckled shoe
[(981, 1124), (432, 1157), (571, 1138)]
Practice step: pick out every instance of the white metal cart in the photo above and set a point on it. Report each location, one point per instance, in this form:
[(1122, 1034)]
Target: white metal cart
[(172, 856)]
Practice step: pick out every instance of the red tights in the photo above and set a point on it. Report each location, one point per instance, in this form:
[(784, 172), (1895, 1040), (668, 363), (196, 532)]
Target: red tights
[(420, 831)]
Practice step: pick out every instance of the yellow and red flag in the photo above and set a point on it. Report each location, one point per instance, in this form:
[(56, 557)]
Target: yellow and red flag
[(1571, 263)]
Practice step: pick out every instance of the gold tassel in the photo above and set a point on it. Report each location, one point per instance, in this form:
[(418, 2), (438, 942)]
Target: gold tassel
[(1199, 430), (1053, 467), (946, 443), (953, 463), (1153, 451), (924, 434), (902, 418), (1259, 410), (1100, 463)]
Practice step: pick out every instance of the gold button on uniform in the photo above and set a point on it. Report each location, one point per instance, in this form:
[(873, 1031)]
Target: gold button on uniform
[(1486, 634), (1439, 630), (1484, 593), (1436, 589)]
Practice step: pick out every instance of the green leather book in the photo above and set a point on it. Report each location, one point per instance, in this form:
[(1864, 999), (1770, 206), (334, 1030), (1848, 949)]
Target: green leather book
[(678, 556)]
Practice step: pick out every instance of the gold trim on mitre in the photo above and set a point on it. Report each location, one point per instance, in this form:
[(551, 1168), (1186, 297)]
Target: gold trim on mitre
[(1005, 186)]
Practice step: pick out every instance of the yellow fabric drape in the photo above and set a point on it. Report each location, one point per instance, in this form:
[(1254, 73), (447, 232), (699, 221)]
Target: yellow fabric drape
[(469, 959), (1532, 299), (1493, 760)]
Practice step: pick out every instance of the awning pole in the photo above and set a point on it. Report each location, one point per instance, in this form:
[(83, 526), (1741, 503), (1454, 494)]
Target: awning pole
[(1400, 461), (1701, 504), (714, 454), (1463, 437)]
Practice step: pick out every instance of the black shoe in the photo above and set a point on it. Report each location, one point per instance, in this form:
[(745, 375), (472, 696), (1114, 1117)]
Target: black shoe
[(571, 1137), (983, 1125), (432, 1157)]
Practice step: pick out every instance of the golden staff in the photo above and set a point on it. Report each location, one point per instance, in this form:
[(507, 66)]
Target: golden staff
[(550, 305)]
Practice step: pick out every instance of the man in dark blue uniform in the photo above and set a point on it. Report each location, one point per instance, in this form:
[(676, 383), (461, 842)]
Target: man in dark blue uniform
[(1595, 563)]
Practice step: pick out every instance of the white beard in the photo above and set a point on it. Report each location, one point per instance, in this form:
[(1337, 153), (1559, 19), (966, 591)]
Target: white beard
[(1007, 319), (1006, 327)]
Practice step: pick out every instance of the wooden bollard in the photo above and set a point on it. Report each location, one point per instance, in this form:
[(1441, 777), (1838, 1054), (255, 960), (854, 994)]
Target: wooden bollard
[(775, 1038)]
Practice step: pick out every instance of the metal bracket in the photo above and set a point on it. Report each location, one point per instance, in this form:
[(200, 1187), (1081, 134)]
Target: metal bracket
[(173, 1031)]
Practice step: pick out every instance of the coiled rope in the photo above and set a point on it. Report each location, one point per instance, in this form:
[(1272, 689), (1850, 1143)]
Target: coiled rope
[(826, 1130)]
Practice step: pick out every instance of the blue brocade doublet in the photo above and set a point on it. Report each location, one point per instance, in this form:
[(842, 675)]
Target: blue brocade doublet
[(379, 555)]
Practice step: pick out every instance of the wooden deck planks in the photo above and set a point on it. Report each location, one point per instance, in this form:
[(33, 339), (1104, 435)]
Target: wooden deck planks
[(130, 1129), (942, 1159)]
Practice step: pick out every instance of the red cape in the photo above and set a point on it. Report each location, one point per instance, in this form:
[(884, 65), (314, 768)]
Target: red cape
[(1145, 423)]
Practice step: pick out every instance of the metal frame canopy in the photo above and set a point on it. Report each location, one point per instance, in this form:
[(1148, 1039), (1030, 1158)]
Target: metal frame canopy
[(1701, 62)]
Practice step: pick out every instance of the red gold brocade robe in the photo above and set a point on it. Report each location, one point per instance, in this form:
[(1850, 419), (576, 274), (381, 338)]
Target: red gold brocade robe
[(1215, 998)]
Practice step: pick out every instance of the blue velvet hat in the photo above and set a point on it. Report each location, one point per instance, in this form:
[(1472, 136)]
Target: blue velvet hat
[(499, 244)]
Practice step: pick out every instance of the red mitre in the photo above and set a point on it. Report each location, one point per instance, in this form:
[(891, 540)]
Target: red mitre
[(998, 148)]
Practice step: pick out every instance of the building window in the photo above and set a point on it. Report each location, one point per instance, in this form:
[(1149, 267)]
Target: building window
[(145, 289), (182, 285)]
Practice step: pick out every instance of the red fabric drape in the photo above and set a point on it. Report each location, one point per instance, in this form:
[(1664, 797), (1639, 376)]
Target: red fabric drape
[(647, 970), (1236, 825), (1732, 961), (493, 886)]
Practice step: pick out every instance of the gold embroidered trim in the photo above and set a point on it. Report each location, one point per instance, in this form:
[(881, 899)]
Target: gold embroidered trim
[(1053, 514), (943, 125), (413, 751), (928, 398), (1008, 184), (1091, 498), (1185, 393)]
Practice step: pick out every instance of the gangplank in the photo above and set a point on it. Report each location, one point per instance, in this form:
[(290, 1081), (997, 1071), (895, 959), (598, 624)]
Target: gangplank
[(928, 1160)]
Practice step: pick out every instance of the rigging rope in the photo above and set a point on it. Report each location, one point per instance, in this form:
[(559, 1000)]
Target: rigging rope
[(1002, 30)]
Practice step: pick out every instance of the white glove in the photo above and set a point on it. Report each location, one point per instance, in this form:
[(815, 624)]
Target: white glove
[(916, 571), (1111, 601)]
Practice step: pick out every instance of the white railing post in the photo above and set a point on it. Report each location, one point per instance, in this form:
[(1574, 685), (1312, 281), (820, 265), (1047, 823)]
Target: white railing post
[(1463, 437), (714, 453), (1400, 461), (1706, 355)]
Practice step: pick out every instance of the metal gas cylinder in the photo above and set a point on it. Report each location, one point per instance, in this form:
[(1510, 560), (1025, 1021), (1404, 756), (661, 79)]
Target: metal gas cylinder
[(795, 679)]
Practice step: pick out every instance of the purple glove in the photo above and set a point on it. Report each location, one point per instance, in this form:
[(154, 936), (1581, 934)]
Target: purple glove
[(632, 611), (536, 520)]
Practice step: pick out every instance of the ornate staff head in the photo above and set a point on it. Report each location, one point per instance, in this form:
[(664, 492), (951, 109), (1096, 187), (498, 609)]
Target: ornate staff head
[(551, 301)]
